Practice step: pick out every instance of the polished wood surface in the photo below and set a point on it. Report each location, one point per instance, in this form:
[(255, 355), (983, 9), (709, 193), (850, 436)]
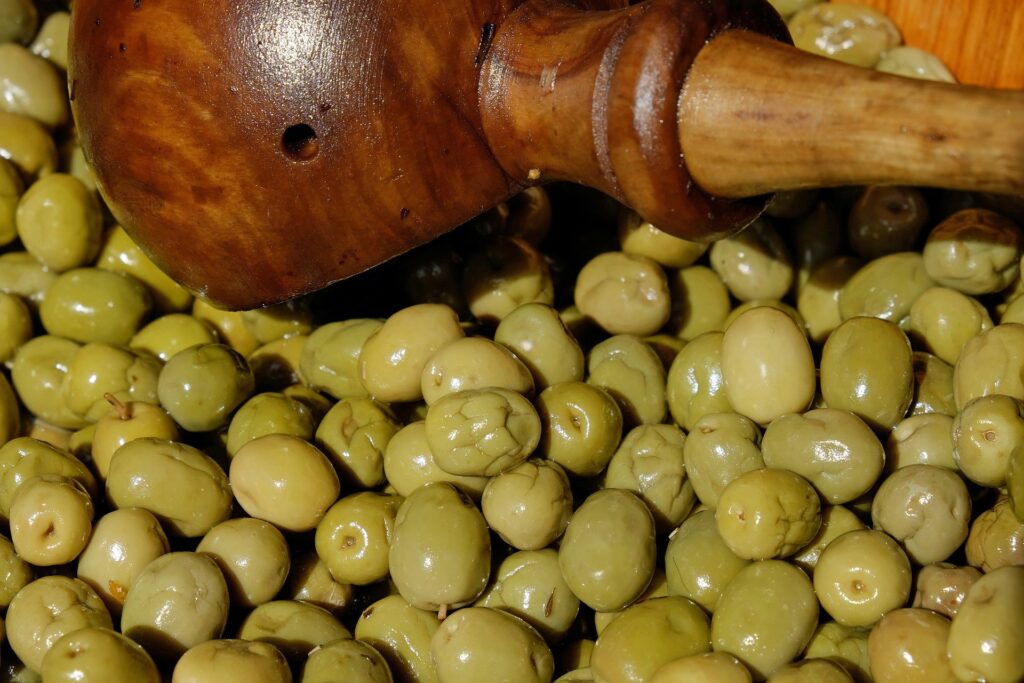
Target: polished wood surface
[(982, 41), (265, 149)]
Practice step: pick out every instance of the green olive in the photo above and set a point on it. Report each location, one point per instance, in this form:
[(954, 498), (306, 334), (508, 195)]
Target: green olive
[(409, 463), (440, 548), (274, 322), (21, 274), (832, 449), (167, 335), (15, 573), (51, 520), (120, 253), (473, 363), (909, 645), (46, 610), (719, 448), (640, 237), (528, 506), (975, 251), (151, 474), (354, 434), (985, 639), (698, 563), (228, 324), (933, 386), (855, 34), (941, 587), (18, 21), (330, 358), (27, 144), (59, 222), (607, 555), (253, 556), (767, 365), (99, 371), (649, 462), (695, 386), (886, 287), (657, 588), (402, 634), (38, 372), (700, 302), (836, 520), (482, 432), (293, 627), (768, 513), (624, 293), (93, 305), (275, 365), (755, 263), (709, 667), (348, 660), (201, 386), (128, 421), (921, 440), (867, 369), (746, 621), (529, 584), (31, 86), (860, 576), (269, 413), (354, 537), (886, 219), (648, 635), (310, 581), (942, 320), (847, 647), (218, 660), (633, 374), (581, 426), (913, 62), (96, 653), (984, 434), (991, 363), (11, 189), (122, 544), (25, 458), (811, 671), (504, 274), (537, 336), (52, 40), (463, 649), (10, 414), (818, 299), (996, 538)]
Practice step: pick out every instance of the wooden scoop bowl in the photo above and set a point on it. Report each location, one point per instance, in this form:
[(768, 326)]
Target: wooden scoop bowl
[(263, 149)]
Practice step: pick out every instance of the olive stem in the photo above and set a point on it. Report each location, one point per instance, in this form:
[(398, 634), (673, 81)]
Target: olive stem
[(124, 410)]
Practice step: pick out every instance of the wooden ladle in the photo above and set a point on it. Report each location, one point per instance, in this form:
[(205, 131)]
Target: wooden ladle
[(263, 149)]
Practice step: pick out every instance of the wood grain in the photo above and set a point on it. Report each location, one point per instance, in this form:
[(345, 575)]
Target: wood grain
[(982, 41)]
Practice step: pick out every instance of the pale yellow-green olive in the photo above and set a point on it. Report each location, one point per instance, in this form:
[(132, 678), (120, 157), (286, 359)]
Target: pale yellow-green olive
[(811, 671), (119, 252), (607, 555), (855, 34), (700, 302), (354, 537), (97, 653), (833, 449), (99, 371), (941, 587), (529, 584), (30, 85), (867, 369), (996, 538), (270, 323), (581, 426), (886, 287), (755, 263), (330, 357), (529, 505), (695, 386), (991, 363), (942, 320), (51, 42), (640, 237), (921, 440), (93, 305), (504, 274), (293, 627), (409, 463), (152, 473), (747, 622), (283, 480), (402, 634), (24, 458), (310, 581), (818, 298), (11, 189), (128, 421), (22, 275), (649, 462), (18, 21), (766, 303), (768, 513), (51, 520), (933, 386), (482, 432), (648, 635), (228, 324), (836, 520), (624, 293), (463, 651), (719, 448), (473, 363), (537, 336), (348, 660), (914, 62), (657, 588), (10, 413), (925, 508), (392, 358), (269, 413), (985, 639), (59, 222), (633, 374), (15, 573), (38, 372), (167, 335), (46, 610), (221, 660), (439, 557), (178, 601), (886, 219), (27, 144), (985, 433), (698, 563), (253, 556), (275, 365), (843, 645), (860, 576), (354, 434), (767, 365), (709, 667), (202, 385), (122, 544), (975, 251), (909, 646)]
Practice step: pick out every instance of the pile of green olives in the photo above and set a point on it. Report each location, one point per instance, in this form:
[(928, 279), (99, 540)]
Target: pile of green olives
[(555, 444)]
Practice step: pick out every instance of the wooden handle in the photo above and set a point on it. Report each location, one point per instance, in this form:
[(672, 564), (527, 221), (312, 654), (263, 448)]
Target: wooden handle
[(757, 116)]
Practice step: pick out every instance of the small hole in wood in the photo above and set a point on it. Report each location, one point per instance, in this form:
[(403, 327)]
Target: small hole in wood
[(299, 142)]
